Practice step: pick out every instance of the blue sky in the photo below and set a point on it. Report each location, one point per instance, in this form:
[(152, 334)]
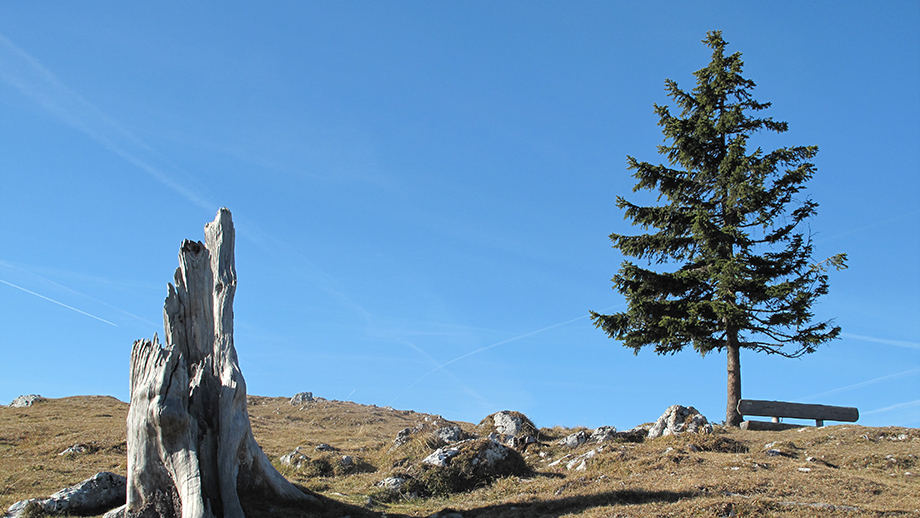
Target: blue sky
[(423, 192)]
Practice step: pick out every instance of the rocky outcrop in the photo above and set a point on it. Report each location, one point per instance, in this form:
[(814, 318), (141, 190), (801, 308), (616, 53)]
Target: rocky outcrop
[(509, 428), (574, 440), (679, 419), (464, 466), (449, 435), (435, 430), (24, 401), (508, 423), (603, 434), (301, 398), (101, 492)]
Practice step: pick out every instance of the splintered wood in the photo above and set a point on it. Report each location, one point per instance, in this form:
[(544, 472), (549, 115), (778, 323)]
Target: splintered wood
[(191, 451)]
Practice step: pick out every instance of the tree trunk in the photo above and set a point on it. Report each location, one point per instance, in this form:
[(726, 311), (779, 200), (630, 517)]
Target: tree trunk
[(733, 351), (191, 452)]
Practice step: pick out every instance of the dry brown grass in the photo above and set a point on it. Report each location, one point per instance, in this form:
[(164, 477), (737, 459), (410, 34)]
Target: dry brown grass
[(844, 470)]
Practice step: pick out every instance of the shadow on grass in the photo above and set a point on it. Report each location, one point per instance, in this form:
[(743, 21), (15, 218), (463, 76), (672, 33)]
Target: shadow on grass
[(572, 504), (329, 508)]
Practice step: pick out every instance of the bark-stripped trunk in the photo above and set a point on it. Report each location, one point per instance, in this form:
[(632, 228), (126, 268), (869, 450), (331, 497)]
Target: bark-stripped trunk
[(733, 352), (191, 452)]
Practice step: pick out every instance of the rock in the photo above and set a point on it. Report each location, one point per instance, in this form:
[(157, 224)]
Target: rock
[(24, 401), (77, 449), (507, 423), (440, 432), (325, 447), (392, 483), (602, 434), (347, 461), (637, 434), (441, 457), (574, 440), (98, 493), (511, 429), (301, 398), (449, 434), (467, 465), (402, 437), (580, 463), (678, 419), (295, 458)]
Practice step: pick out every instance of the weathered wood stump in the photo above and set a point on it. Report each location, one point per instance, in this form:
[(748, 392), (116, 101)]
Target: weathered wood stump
[(191, 452)]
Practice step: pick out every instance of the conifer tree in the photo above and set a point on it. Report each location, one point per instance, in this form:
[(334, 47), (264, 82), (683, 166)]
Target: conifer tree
[(729, 233)]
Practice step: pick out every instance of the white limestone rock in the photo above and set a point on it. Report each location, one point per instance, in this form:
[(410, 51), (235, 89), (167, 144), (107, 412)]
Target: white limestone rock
[(100, 492), (24, 401), (679, 419), (441, 457), (508, 424), (574, 440), (301, 398), (449, 434), (294, 459), (603, 433)]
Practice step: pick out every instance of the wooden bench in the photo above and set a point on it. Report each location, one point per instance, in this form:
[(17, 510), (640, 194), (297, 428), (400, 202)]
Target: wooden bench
[(778, 409)]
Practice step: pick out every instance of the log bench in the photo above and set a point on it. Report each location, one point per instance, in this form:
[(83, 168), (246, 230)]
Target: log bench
[(778, 409)]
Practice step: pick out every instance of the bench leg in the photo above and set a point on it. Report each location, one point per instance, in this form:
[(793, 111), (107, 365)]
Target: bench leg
[(819, 422)]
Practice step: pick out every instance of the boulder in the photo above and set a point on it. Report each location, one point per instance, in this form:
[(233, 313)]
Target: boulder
[(24, 401), (635, 434), (679, 419), (507, 423), (509, 428), (294, 459), (301, 398), (574, 440), (466, 465), (441, 457), (603, 433), (101, 492), (449, 434)]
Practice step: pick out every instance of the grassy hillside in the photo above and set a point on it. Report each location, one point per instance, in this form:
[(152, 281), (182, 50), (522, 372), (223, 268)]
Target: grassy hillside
[(833, 471)]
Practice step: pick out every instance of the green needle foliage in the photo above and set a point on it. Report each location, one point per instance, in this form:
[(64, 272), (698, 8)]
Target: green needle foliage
[(729, 225)]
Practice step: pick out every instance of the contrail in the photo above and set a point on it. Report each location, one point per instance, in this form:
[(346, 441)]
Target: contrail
[(486, 348), (866, 227), (899, 343), (908, 404), (36, 82), (58, 303), (61, 286), (864, 383)]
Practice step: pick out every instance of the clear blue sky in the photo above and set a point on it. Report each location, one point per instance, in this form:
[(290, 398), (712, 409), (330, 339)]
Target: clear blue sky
[(430, 184)]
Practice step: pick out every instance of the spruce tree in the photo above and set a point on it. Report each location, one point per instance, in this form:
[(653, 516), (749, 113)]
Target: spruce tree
[(729, 233)]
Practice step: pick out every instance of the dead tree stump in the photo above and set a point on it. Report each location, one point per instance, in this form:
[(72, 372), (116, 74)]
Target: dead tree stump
[(191, 452)]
